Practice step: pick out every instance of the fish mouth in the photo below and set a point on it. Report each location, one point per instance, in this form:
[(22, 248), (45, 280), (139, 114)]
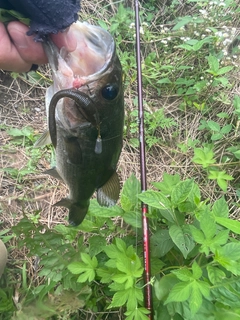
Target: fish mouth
[(92, 56)]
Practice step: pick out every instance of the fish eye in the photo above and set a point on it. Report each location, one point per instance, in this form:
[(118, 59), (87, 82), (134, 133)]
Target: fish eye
[(110, 91)]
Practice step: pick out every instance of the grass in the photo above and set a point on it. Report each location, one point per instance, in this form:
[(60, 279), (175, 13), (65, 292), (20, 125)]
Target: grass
[(190, 65)]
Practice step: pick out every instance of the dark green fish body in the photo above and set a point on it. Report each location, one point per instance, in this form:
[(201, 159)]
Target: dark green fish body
[(86, 126)]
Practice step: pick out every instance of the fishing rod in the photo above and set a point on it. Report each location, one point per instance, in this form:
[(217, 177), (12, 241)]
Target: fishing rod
[(146, 240)]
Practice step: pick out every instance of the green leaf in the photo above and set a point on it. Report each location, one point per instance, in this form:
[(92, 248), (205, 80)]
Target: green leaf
[(197, 271), (181, 239), (215, 275), (220, 208), (137, 314), (232, 225), (214, 126), (207, 225), (161, 243), (163, 286), (97, 244), (203, 157), (129, 195), (224, 70), (105, 212), (155, 199), (216, 136), (181, 191), (221, 178), (164, 80), (168, 183), (195, 299), (183, 274), (119, 299), (75, 267), (183, 21), (179, 293), (198, 45), (133, 218), (197, 234), (213, 64), (226, 129)]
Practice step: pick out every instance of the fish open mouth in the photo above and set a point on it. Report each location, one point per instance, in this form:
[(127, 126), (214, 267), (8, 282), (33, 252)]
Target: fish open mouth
[(94, 51)]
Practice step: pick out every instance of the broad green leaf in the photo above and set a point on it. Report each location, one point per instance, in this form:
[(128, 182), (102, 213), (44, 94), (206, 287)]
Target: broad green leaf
[(137, 314), (197, 271), (164, 80), (198, 45), (163, 286), (129, 195), (161, 243), (121, 245), (181, 239), (204, 287), (214, 126), (207, 225), (203, 157), (105, 212), (195, 299), (155, 199), (183, 274), (179, 293), (88, 260), (181, 191), (224, 70), (119, 299), (75, 267), (215, 274), (226, 129), (221, 178), (97, 244), (232, 225), (183, 21), (168, 183), (197, 234), (133, 218), (220, 208), (216, 136), (213, 64)]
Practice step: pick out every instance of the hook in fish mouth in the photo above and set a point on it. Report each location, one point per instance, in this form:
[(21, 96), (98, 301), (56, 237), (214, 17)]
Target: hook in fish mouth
[(84, 105)]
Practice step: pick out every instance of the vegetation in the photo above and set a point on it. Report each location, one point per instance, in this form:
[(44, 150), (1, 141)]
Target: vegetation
[(190, 60)]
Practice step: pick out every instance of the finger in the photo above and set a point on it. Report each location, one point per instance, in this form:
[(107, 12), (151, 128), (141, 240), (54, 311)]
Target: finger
[(65, 39), (10, 59), (30, 51)]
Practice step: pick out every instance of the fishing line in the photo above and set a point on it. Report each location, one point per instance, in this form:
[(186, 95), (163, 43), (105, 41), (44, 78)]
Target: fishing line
[(145, 227)]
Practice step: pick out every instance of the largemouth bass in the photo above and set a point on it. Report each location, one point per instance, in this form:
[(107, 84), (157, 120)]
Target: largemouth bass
[(85, 109)]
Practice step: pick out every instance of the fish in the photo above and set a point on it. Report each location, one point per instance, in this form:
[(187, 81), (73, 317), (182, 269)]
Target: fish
[(85, 111), (46, 16)]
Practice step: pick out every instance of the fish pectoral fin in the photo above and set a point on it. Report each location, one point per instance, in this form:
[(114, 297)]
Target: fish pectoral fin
[(53, 172), (108, 194), (44, 140)]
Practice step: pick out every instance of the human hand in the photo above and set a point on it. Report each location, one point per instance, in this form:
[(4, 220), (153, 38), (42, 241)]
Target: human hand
[(18, 52)]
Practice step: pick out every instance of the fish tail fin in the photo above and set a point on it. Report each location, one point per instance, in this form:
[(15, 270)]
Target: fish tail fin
[(77, 210), (108, 194)]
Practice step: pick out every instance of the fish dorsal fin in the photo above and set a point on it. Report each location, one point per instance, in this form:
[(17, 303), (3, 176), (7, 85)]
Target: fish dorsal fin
[(53, 172), (44, 140), (108, 194)]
